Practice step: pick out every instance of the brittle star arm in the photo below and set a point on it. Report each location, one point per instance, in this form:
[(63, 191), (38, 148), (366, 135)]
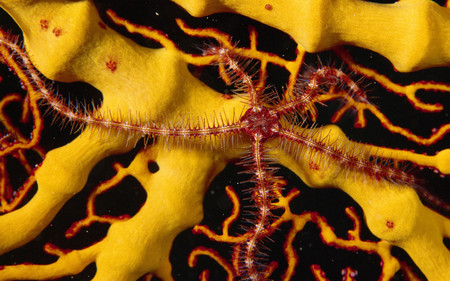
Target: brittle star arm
[(151, 84), (155, 102), (308, 89), (382, 200), (410, 33), (203, 126), (160, 81)]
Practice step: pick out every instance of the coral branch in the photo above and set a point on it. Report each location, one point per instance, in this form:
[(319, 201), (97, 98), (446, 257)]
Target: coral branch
[(13, 56), (383, 28), (91, 217), (68, 263), (193, 256), (309, 89), (197, 111), (409, 91), (52, 194)]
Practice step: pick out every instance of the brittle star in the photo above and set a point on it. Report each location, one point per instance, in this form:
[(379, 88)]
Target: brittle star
[(265, 120)]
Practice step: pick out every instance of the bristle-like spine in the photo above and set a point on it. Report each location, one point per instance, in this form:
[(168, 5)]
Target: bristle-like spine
[(320, 81), (257, 123), (253, 253), (79, 117), (239, 72), (350, 157)]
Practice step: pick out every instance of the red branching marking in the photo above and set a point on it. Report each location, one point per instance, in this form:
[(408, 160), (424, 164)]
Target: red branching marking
[(57, 31), (44, 24), (111, 65)]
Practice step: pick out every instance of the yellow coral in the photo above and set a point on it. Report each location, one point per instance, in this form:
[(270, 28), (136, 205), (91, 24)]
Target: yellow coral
[(67, 41), (410, 33)]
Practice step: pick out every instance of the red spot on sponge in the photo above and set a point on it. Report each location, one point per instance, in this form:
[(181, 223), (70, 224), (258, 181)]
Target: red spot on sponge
[(57, 31), (111, 65), (44, 24), (390, 224)]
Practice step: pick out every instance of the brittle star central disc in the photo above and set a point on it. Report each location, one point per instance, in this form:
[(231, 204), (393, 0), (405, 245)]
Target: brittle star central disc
[(260, 121)]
